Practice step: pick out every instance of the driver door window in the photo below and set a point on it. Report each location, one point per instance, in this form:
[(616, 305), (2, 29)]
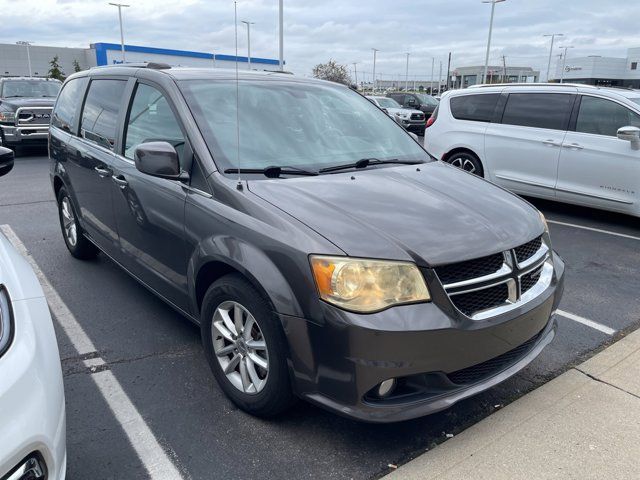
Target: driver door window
[(604, 117), (152, 120)]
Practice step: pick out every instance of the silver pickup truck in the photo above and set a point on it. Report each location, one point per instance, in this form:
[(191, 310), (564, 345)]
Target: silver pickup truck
[(25, 109)]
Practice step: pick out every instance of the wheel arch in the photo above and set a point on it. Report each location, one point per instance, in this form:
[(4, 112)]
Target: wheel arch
[(469, 151)]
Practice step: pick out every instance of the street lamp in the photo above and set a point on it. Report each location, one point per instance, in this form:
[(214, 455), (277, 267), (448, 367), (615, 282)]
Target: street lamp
[(26, 44), (281, 35), (120, 6), (355, 72), (564, 61), (433, 62), (375, 51), (248, 24), (406, 75), (486, 58), (553, 37)]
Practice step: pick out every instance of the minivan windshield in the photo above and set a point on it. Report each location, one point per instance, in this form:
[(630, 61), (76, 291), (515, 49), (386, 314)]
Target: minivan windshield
[(29, 88), (296, 124)]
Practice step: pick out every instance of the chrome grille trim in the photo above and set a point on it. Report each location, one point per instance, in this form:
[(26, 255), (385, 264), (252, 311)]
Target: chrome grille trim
[(19, 122), (510, 273)]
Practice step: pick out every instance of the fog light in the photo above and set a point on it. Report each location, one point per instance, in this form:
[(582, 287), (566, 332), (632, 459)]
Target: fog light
[(386, 387), (32, 468)]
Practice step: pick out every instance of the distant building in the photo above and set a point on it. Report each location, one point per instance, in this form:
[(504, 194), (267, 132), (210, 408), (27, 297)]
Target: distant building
[(14, 60), (601, 71), (463, 77)]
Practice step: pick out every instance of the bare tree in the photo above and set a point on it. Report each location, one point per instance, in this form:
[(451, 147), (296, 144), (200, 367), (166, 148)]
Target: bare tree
[(332, 71)]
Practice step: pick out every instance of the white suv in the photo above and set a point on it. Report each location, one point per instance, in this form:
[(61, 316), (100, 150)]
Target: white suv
[(571, 143)]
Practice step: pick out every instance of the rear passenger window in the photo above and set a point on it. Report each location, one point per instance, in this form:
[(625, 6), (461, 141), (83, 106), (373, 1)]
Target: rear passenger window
[(65, 112), (101, 110), (478, 108), (604, 117), (539, 110)]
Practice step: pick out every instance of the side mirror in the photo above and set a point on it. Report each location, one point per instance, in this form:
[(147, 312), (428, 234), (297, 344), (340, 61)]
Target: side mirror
[(158, 159), (6, 160), (630, 134)]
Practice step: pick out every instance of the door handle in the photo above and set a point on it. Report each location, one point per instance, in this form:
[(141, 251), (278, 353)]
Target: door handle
[(103, 172), (551, 143), (120, 181), (573, 146)]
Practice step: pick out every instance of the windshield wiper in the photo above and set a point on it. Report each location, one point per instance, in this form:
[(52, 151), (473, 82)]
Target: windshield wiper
[(274, 171), (365, 162)]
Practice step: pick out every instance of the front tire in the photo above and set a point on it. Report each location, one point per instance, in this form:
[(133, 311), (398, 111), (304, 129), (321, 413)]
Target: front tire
[(245, 347), (466, 161), (72, 232)]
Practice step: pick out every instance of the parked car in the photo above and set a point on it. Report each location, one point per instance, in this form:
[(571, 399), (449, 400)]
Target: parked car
[(416, 101), (325, 255), (571, 143), (411, 120), (32, 408), (25, 109)]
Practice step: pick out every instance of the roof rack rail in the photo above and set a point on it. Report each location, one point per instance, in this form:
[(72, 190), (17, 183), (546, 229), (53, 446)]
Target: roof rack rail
[(531, 84), (151, 65)]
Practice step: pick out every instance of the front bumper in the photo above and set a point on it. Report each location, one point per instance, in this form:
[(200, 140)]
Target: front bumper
[(437, 359), (23, 135), (414, 126), (32, 407)]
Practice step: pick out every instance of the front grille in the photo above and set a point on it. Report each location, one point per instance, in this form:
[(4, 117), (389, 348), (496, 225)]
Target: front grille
[(34, 116), (528, 280), (479, 267), (526, 251), (491, 367), (472, 302), (417, 116)]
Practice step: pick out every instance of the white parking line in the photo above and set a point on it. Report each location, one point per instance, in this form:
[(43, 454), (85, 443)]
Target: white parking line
[(585, 321), (151, 454), (592, 229)]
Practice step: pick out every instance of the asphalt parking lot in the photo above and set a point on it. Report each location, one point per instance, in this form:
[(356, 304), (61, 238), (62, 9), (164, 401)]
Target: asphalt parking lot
[(156, 358)]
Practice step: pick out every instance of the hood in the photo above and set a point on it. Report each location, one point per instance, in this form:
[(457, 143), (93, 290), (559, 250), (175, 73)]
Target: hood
[(15, 103), (16, 273), (410, 111), (432, 215)]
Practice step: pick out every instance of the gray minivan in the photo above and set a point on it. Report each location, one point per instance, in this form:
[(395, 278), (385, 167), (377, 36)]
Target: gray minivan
[(323, 252)]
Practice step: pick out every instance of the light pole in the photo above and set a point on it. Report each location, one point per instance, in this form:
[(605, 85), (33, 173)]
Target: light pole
[(375, 51), (406, 75), (120, 6), (553, 37), (486, 58), (433, 62), (564, 61), (26, 44), (248, 24), (281, 35), (440, 78), (355, 72)]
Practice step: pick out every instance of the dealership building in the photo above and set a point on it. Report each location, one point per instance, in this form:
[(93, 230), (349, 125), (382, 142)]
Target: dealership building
[(601, 71), (15, 59)]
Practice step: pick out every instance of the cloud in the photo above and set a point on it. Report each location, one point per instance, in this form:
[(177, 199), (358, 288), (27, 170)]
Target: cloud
[(343, 30)]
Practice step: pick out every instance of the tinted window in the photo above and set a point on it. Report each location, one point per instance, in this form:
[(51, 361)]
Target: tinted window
[(151, 120), (66, 109), (604, 117), (101, 109), (540, 110), (474, 107)]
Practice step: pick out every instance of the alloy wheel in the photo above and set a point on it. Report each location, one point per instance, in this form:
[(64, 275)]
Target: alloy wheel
[(464, 163), (69, 222), (240, 347)]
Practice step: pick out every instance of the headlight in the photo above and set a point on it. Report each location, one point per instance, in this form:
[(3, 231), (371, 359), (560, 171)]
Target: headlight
[(367, 285), (7, 117), (544, 222), (5, 320)]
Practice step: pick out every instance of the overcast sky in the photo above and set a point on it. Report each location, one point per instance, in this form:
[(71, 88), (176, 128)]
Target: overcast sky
[(317, 30)]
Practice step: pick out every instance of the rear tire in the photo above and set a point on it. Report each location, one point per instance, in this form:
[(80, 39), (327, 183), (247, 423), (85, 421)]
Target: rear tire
[(466, 161), (245, 346), (72, 232)]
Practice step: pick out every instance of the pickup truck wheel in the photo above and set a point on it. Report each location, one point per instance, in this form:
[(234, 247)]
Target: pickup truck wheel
[(245, 346), (466, 161), (72, 232)]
